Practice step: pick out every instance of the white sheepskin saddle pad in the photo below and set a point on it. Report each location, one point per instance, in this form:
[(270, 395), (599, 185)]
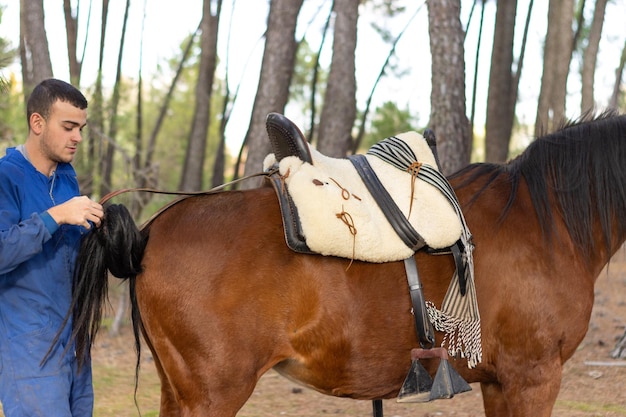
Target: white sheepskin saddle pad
[(340, 217)]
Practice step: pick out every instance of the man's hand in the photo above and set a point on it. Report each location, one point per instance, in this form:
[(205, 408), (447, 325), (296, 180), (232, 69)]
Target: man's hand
[(78, 211)]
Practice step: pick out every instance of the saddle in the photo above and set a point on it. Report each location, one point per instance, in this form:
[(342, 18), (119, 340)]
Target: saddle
[(295, 166), (379, 207)]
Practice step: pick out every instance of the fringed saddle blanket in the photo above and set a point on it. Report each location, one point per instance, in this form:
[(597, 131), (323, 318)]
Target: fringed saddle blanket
[(340, 217)]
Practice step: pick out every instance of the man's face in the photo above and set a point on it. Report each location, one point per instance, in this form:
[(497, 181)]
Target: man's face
[(62, 132)]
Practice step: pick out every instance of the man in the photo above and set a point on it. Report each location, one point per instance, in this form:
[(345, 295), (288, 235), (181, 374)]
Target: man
[(42, 218)]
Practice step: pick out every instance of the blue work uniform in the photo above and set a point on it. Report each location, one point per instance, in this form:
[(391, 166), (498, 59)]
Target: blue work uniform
[(36, 265)]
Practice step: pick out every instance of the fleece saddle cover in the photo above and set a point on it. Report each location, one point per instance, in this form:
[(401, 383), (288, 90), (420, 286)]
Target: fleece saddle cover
[(338, 216)]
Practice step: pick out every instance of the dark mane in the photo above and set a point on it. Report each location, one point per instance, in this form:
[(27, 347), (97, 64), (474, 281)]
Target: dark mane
[(583, 166)]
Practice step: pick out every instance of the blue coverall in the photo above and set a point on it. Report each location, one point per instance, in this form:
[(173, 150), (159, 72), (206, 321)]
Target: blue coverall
[(36, 265)]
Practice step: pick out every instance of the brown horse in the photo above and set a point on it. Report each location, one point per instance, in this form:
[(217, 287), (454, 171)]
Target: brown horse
[(221, 299)]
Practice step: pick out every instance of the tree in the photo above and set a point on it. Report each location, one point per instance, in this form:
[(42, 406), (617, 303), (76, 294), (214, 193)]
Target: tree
[(388, 120), (276, 72), (447, 115), (315, 77), (146, 180), (556, 61), (107, 158), (34, 51), (193, 168), (11, 106), (339, 111), (391, 10), (502, 90), (96, 118), (71, 31), (618, 79), (590, 57), (308, 86)]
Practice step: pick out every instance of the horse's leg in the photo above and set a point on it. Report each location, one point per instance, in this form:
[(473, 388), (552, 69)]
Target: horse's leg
[(207, 368), (169, 405), (493, 400), (202, 383), (205, 385), (526, 390)]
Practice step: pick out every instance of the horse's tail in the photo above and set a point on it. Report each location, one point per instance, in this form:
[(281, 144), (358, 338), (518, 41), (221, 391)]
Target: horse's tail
[(117, 245)]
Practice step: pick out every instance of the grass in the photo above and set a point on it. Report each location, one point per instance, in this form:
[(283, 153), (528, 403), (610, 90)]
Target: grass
[(592, 408), (114, 391), (113, 365)]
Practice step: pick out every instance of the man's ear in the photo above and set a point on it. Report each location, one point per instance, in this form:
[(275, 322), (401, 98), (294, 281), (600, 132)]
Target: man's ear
[(36, 123)]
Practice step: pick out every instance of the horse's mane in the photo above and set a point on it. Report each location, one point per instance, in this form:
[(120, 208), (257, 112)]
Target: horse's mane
[(581, 168)]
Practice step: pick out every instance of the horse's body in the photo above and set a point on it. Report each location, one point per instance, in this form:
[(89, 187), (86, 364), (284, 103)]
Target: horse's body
[(222, 299)]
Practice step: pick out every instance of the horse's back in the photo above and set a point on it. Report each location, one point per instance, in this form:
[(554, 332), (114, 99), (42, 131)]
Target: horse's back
[(207, 247)]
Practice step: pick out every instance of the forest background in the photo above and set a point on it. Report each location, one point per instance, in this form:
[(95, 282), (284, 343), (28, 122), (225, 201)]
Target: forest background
[(178, 95)]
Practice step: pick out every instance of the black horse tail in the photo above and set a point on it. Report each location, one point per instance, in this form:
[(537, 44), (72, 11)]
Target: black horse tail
[(116, 246)]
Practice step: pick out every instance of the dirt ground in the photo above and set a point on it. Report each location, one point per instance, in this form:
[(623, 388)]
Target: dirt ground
[(593, 383)]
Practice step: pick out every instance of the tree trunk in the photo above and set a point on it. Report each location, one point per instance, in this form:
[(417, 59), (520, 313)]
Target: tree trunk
[(447, 115), (339, 112), (34, 51), (618, 79), (106, 169), (476, 61), (71, 31), (315, 78), (590, 57), (273, 90), (96, 140), (152, 139), (500, 101), (196, 149), (556, 61)]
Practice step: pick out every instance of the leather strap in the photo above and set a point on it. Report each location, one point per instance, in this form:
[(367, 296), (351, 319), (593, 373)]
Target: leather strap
[(457, 252), (423, 326), (392, 212)]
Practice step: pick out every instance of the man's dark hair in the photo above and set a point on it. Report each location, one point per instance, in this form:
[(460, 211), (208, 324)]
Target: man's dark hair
[(47, 92)]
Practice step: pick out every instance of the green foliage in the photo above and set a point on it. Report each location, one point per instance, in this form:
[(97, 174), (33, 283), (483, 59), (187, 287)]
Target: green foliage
[(13, 126), (389, 8), (388, 120), (11, 106), (167, 162)]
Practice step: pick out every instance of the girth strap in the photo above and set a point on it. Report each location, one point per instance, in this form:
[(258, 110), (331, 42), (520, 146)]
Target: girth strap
[(392, 212), (423, 326)]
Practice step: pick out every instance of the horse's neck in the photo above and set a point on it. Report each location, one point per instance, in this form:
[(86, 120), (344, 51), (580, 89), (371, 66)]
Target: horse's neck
[(519, 227)]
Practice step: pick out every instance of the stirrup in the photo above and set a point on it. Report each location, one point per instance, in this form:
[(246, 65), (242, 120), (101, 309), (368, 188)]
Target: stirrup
[(418, 385), (286, 138)]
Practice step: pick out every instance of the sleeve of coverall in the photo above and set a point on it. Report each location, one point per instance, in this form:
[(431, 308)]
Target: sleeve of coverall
[(19, 240)]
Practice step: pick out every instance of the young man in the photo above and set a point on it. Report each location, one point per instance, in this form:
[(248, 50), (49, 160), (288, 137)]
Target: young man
[(42, 218)]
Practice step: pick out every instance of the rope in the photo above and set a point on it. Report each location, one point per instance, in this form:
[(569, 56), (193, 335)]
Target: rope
[(183, 193)]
